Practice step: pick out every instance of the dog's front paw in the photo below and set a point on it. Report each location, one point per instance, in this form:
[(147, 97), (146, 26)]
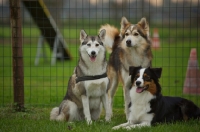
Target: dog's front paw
[(129, 128), (116, 127), (89, 122), (108, 118)]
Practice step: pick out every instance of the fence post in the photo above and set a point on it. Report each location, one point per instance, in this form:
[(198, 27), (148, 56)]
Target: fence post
[(17, 54)]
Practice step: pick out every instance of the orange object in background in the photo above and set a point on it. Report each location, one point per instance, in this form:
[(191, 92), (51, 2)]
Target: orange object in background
[(155, 39), (192, 79)]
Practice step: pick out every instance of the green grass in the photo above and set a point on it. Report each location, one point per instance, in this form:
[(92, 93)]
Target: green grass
[(37, 119), (45, 85)]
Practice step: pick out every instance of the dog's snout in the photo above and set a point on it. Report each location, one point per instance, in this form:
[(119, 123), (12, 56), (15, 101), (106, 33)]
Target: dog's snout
[(138, 83), (128, 43), (93, 53)]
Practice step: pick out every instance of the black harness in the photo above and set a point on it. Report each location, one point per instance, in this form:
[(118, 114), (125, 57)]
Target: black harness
[(86, 78)]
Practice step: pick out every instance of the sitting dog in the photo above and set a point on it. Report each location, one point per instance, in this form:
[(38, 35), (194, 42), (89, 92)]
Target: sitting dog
[(148, 106), (87, 87)]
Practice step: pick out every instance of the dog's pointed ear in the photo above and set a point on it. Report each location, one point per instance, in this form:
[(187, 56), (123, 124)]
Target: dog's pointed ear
[(83, 35), (133, 70), (124, 23), (102, 34), (157, 71), (144, 24)]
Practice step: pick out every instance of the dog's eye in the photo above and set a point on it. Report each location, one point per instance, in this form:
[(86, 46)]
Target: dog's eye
[(97, 45), (126, 34), (89, 45), (136, 77), (135, 34), (147, 78), (83, 43)]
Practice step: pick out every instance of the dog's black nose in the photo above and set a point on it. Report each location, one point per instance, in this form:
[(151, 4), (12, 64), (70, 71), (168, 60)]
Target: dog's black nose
[(138, 83), (93, 53), (128, 43)]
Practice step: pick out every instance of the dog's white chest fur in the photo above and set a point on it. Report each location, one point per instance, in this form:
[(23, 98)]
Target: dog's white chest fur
[(139, 59), (140, 106), (96, 88)]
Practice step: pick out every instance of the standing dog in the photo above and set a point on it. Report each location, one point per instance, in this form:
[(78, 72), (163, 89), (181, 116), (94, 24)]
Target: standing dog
[(87, 87), (130, 47), (148, 106)]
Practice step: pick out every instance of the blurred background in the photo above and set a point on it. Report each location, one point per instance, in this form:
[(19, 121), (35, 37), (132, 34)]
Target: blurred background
[(174, 30)]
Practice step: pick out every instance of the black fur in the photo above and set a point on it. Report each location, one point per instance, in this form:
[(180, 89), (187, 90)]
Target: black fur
[(93, 38), (114, 60), (166, 108)]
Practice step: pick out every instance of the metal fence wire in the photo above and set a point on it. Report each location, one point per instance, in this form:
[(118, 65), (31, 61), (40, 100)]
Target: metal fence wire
[(50, 37)]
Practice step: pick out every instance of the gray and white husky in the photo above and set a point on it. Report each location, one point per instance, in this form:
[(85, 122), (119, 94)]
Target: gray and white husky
[(88, 86)]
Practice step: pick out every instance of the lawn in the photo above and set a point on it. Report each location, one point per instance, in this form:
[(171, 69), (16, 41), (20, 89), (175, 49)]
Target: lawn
[(45, 85), (37, 119)]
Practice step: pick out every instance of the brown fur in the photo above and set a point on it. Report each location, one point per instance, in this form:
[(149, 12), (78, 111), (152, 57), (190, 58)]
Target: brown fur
[(152, 87), (124, 55)]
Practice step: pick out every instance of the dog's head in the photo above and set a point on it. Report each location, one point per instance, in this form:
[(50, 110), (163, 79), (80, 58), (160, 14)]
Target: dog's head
[(92, 45), (134, 34), (145, 79)]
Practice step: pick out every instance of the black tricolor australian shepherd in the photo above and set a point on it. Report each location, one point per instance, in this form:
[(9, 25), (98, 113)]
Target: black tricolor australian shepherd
[(148, 106)]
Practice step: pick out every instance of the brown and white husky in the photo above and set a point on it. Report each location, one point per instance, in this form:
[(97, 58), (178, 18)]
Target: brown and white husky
[(131, 46)]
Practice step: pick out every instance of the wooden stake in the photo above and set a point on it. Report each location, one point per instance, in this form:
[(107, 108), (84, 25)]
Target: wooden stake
[(17, 54)]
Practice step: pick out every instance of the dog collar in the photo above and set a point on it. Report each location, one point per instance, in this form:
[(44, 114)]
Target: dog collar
[(86, 78)]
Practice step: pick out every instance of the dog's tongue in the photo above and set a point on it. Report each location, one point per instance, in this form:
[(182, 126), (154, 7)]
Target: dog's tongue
[(93, 58), (139, 90)]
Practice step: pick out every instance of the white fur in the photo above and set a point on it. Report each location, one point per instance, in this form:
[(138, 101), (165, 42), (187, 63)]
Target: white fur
[(85, 52), (136, 41), (139, 109), (96, 93), (73, 112), (96, 90), (140, 77), (132, 27), (86, 109), (54, 113), (137, 60), (133, 55), (92, 47), (111, 32), (109, 41), (127, 81)]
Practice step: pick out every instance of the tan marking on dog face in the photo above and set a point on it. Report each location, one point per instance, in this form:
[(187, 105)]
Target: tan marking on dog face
[(131, 31), (136, 76), (124, 29), (135, 36), (150, 82), (147, 82), (152, 86)]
